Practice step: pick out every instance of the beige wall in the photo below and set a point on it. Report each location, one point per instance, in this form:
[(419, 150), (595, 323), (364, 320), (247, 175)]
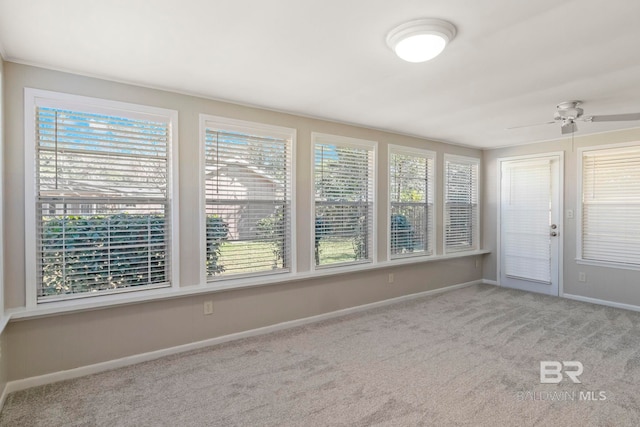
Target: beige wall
[(51, 344), (608, 284), (42, 345), (3, 357)]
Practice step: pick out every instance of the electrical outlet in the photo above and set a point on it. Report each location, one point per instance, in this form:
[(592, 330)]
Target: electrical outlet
[(208, 307), (582, 277), (570, 213), (391, 278)]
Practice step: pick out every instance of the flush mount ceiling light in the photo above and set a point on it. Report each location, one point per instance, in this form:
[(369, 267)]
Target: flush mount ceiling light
[(420, 40)]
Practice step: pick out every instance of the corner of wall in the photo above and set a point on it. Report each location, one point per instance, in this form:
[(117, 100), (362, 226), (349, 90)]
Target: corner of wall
[(3, 358)]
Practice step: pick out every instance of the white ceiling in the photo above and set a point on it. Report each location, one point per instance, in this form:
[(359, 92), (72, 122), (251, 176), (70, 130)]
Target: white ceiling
[(510, 63)]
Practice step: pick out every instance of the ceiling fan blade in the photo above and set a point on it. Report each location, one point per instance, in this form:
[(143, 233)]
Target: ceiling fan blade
[(615, 118), (569, 127), (530, 126)]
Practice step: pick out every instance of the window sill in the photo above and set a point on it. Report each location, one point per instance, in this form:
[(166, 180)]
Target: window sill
[(54, 308)]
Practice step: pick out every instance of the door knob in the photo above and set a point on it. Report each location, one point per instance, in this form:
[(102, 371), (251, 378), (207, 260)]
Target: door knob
[(554, 234), (553, 226)]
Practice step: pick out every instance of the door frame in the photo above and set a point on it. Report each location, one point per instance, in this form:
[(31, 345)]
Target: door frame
[(561, 227)]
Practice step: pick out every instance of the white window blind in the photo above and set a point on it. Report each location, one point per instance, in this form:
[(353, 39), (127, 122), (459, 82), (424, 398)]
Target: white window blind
[(103, 212), (248, 193), (611, 205), (411, 202), (461, 204), (344, 200), (525, 219)]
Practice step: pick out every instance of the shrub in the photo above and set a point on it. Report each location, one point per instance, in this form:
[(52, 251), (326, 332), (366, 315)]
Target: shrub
[(217, 232), (93, 253), (270, 229), (322, 229), (402, 234)]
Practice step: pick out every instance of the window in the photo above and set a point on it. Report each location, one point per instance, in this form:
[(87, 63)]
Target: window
[(248, 195), (461, 216), (99, 196), (344, 200), (1, 193), (611, 205), (411, 202)]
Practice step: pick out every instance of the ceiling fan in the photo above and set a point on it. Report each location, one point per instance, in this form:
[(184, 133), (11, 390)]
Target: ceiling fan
[(568, 112)]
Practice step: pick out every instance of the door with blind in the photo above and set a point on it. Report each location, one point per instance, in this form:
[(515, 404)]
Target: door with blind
[(530, 224)]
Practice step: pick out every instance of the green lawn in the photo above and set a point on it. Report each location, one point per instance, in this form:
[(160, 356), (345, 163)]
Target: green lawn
[(233, 255), (335, 251)]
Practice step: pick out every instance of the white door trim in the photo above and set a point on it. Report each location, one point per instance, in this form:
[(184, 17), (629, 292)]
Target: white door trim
[(560, 155)]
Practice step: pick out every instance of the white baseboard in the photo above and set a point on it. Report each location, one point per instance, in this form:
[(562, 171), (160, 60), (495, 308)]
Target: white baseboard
[(490, 282), (602, 302), (53, 377)]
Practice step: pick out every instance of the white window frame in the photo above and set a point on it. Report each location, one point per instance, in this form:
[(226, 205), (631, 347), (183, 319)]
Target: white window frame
[(42, 98), (580, 210), (354, 143), (476, 226), (243, 126), (2, 319), (432, 185)]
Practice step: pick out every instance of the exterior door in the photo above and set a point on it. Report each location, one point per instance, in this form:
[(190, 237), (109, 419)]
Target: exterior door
[(530, 223)]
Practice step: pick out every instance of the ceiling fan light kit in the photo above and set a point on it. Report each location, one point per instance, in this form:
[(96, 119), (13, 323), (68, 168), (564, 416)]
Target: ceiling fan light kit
[(568, 110), (420, 40)]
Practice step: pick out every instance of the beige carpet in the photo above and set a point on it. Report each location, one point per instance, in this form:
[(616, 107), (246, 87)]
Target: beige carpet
[(466, 357)]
